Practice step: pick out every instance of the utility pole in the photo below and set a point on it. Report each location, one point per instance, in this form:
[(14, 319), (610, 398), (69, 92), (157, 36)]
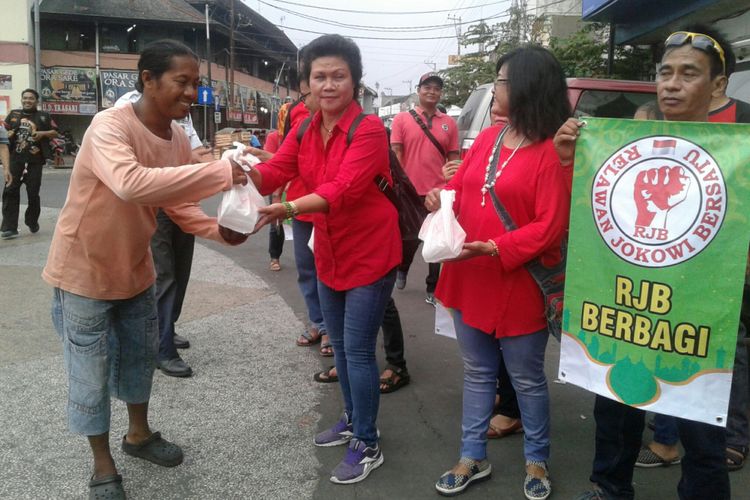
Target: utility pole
[(208, 133), (37, 52), (411, 89), (230, 102), (457, 23), (431, 63)]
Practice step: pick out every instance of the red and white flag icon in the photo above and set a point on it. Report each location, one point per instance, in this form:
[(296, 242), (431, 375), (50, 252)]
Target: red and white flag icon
[(664, 147)]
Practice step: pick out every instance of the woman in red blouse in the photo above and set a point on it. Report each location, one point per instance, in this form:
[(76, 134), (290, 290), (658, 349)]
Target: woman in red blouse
[(357, 240), (496, 303)]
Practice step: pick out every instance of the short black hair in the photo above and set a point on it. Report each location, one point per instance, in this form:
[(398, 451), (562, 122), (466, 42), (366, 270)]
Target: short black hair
[(36, 94), (716, 67), (157, 58), (334, 46), (537, 91)]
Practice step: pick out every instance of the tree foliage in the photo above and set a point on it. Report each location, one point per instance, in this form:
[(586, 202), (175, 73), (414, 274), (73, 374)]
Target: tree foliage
[(584, 54), (476, 68)]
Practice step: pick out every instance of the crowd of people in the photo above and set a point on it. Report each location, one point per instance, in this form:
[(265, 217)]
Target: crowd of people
[(119, 288)]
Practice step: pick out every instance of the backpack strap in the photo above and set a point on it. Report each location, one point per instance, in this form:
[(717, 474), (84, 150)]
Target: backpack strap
[(380, 181), (303, 128), (353, 128)]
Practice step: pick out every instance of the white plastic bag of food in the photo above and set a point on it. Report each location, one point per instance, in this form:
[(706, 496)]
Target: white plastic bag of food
[(441, 233), (238, 210)]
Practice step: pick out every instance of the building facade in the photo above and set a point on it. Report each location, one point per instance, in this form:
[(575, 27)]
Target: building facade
[(89, 56)]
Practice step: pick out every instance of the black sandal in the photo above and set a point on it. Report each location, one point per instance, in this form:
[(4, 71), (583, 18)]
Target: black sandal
[(155, 449), (325, 376), (735, 458), (106, 488), (391, 384)]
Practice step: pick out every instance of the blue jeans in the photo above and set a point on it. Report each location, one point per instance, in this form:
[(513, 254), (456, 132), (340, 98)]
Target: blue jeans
[(307, 275), (665, 430), (524, 359), (110, 350), (618, 440), (172, 250), (353, 318)]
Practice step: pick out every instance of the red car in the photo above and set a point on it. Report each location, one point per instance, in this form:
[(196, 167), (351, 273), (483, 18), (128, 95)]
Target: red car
[(588, 97)]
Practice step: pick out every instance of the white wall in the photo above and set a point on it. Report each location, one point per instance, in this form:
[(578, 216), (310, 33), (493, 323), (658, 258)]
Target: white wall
[(15, 21), (16, 29)]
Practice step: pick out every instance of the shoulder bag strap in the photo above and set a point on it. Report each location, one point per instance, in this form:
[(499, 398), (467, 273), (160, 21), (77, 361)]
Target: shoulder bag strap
[(427, 132), (541, 274)]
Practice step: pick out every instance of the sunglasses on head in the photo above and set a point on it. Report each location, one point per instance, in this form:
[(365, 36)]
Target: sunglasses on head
[(698, 41)]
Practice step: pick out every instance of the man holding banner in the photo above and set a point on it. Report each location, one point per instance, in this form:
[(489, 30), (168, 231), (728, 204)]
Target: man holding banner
[(656, 329)]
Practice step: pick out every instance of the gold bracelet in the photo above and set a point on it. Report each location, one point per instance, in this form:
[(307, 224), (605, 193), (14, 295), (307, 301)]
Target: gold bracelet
[(295, 209), (291, 209), (495, 252)]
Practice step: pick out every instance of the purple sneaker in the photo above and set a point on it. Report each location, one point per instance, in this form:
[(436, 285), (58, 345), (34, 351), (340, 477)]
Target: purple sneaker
[(340, 433), (359, 461)]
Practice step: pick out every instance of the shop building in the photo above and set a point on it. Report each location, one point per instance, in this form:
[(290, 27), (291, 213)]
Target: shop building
[(89, 55)]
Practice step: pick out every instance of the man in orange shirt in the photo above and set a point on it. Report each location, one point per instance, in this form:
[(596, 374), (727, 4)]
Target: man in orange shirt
[(100, 264)]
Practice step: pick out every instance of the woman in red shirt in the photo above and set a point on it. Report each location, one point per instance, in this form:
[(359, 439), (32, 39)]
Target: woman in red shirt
[(496, 302), (357, 240)]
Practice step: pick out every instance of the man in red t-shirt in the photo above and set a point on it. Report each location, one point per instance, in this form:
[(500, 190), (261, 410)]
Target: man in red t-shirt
[(424, 139)]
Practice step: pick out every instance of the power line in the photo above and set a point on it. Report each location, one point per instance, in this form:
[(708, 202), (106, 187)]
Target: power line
[(394, 29), (395, 39), (373, 37), (377, 12), (386, 29)]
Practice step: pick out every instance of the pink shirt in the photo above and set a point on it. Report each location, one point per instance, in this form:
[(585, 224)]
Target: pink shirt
[(421, 160), (100, 248)]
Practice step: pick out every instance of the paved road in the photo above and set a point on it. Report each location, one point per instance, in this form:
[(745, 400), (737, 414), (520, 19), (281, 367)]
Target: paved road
[(247, 417)]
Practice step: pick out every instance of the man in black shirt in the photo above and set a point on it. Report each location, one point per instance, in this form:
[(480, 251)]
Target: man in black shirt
[(29, 132)]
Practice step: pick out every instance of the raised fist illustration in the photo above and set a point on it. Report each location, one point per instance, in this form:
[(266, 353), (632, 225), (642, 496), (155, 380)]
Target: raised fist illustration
[(657, 191)]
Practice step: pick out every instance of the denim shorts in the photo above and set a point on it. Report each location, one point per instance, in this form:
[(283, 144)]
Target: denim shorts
[(110, 349)]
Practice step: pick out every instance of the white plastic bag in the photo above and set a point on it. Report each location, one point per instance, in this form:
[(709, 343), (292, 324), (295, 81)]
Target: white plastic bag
[(441, 233), (238, 210), (311, 241)]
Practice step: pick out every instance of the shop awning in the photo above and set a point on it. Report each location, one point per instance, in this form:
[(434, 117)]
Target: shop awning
[(649, 21)]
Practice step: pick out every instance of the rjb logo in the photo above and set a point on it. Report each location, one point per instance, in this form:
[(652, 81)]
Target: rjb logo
[(659, 201)]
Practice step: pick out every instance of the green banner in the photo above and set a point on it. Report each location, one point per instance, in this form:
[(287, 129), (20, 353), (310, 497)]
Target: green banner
[(658, 247)]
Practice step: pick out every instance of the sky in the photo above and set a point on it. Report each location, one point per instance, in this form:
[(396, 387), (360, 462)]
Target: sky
[(394, 65)]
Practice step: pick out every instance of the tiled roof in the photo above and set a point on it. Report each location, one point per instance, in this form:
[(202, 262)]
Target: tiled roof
[(177, 11)]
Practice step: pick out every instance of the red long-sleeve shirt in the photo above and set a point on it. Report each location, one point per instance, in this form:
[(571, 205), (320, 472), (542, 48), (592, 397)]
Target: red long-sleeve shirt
[(358, 241), (497, 295)]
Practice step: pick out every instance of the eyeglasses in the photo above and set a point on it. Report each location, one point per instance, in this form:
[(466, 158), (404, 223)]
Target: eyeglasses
[(698, 41), (302, 97), (498, 83)]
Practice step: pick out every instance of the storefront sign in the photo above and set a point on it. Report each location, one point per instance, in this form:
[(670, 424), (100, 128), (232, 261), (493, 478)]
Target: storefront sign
[(69, 91), (114, 84)]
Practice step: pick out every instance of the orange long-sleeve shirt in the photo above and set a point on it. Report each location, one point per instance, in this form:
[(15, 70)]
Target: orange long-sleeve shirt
[(122, 174)]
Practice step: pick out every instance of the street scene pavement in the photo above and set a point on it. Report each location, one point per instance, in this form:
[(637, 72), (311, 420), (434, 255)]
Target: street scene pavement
[(246, 418)]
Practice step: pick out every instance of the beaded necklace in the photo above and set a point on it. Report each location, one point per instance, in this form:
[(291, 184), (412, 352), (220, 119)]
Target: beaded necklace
[(489, 179)]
